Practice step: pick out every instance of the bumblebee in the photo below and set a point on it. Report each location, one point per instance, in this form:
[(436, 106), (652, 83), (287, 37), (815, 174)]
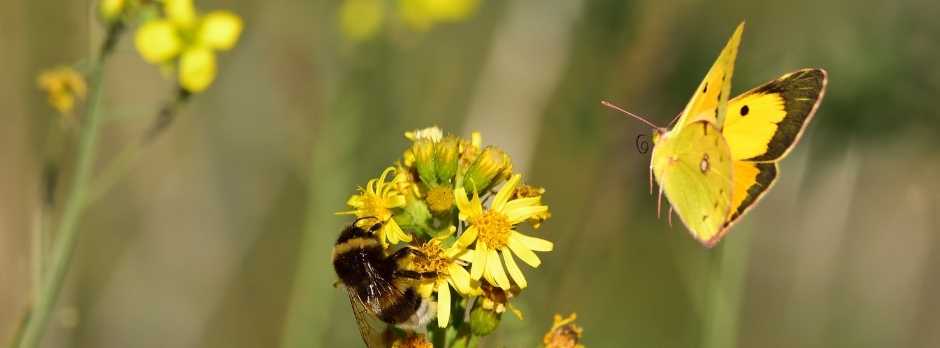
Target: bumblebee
[(377, 285)]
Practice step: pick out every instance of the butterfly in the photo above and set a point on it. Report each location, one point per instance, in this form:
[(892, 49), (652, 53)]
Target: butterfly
[(721, 156)]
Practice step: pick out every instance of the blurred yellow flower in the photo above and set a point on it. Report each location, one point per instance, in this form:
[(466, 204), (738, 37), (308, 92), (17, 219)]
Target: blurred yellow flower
[(110, 10), (377, 200), (360, 19), (493, 232), (421, 15), (63, 85), (450, 273), (191, 39)]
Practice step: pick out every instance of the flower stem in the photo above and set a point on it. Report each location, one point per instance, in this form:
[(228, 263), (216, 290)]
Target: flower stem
[(67, 231)]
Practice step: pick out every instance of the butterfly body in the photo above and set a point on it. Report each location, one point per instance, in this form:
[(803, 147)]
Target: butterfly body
[(720, 157)]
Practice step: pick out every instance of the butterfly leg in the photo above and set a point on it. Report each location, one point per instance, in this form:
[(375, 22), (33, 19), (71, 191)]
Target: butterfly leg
[(659, 202), (651, 180), (670, 216)]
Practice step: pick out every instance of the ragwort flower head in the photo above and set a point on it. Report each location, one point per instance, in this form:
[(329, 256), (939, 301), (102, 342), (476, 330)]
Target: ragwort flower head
[(492, 231), (438, 188), (450, 273), (187, 41), (64, 86), (378, 200)]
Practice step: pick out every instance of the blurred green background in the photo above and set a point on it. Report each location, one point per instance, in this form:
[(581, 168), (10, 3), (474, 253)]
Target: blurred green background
[(221, 234)]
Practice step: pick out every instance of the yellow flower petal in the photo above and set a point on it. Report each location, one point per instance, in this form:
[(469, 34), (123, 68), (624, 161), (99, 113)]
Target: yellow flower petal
[(425, 288), (181, 12), (522, 251), (521, 214), (469, 235), (157, 41), (467, 256), (459, 278), (536, 244), (513, 268), (479, 262), (494, 267), (504, 193), (355, 201), (197, 69), (220, 30), (395, 201), (522, 203), (394, 232), (468, 208), (451, 10), (443, 304)]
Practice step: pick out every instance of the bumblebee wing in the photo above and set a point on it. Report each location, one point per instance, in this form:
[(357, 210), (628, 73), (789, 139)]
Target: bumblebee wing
[(368, 323)]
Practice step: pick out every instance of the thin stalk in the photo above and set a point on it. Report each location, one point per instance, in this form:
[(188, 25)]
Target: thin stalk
[(67, 231), (121, 165)]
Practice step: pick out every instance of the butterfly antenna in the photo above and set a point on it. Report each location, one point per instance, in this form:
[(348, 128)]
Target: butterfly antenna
[(674, 119), (612, 106)]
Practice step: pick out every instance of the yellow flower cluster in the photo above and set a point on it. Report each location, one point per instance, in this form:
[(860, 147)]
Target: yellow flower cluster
[(459, 206), (362, 19), (64, 86), (183, 39)]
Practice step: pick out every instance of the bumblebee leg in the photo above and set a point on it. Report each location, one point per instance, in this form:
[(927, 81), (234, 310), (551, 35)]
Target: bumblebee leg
[(415, 275), (400, 253)]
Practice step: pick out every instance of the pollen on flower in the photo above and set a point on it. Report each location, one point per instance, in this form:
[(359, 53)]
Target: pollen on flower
[(494, 229), (433, 259), (564, 333), (440, 199)]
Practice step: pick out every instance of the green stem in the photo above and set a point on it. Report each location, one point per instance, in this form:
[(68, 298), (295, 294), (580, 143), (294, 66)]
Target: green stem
[(118, 167), (67, 231)]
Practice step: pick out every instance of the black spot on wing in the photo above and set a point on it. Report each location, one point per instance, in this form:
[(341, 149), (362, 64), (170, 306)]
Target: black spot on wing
[(801, 91), (744, 110), (705, 88)]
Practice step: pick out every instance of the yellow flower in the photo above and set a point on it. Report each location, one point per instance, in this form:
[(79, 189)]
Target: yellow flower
[(443, 262), (564, 333), (421, 15), (493, 232), (110, 10), (189, 38), (63, 85), (377, 200), (360, 19)]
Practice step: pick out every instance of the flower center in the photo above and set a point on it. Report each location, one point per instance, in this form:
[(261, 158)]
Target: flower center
[(493, 228), (440, 199), (433, 259), (374, 205)]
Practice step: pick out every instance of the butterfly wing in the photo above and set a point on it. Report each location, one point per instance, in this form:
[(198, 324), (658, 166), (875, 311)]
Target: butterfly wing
[(764, 123), (761, 127), (692, 165), (709, 100)]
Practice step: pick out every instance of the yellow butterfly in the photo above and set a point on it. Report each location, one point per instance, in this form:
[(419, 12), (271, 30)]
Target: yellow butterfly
[(721, 156)]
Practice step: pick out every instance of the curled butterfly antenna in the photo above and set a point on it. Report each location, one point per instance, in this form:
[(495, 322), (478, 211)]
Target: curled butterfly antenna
[(612, 106), (642, 145)]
